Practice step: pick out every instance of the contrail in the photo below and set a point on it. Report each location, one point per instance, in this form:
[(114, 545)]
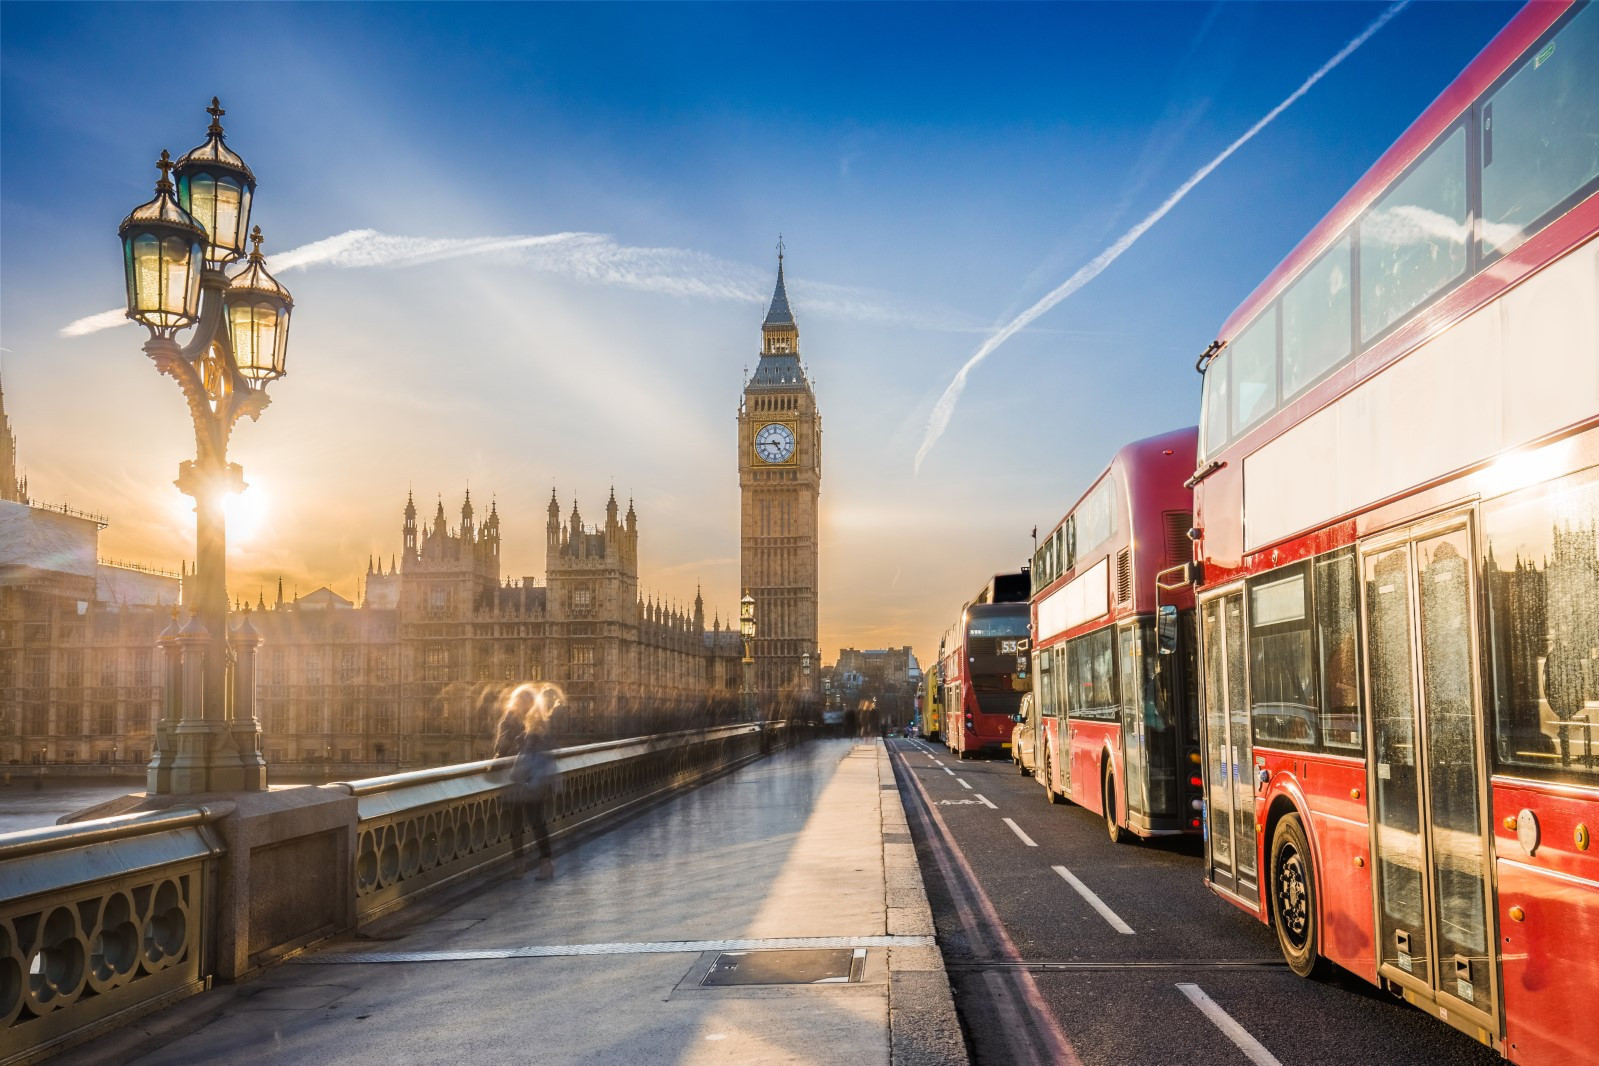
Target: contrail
[(590, 258), (938, 421)]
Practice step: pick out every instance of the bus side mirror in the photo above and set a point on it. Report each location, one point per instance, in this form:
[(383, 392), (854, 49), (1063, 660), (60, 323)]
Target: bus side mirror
[(1166, 629)]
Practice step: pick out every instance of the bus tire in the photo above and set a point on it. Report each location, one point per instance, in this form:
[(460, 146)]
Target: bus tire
[(1116, 833), (1049, 781), (1293, 900)]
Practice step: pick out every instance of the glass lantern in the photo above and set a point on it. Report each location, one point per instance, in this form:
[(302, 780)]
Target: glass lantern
[(258, 318), (215, 186), (162, 251)]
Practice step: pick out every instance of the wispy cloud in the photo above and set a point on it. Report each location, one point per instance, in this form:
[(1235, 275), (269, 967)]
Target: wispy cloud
[(944, 409), (590, 258)]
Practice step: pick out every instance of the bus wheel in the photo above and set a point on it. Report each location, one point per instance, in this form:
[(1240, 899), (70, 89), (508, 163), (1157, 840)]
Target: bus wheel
[(1049, 781), (1293, 900), (1116, 833)]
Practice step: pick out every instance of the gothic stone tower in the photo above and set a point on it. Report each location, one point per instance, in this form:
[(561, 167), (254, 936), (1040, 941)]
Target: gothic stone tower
[(780, 484)]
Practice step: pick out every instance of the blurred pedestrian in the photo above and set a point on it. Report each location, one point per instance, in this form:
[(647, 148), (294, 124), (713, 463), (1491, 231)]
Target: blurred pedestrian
[(534, 779), (512, 728)]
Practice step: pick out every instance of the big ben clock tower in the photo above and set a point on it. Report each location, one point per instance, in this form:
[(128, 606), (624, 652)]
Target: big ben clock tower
[(780, 484)]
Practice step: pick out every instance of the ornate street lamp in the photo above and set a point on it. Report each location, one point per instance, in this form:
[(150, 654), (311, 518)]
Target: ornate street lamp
[(175, 249), (746, 629)]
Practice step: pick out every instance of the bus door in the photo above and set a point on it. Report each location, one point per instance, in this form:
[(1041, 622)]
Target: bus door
[(1229, 777), (1135, 742), (1426, 777)]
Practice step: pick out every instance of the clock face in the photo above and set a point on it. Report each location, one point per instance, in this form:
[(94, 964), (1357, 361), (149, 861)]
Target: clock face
[(774, 443)]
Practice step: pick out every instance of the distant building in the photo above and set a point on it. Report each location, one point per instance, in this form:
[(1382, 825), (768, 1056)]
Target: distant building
[(882, 666), (79, 669), (417, 674)]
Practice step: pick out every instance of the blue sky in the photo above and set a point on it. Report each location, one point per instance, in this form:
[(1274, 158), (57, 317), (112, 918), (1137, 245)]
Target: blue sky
[(934, 170)]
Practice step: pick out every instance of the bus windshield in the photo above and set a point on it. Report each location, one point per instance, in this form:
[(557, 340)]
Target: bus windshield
[(1001, 625)]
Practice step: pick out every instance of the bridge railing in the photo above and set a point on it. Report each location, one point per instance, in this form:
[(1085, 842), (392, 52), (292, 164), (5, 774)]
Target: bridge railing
[(422, 830), (103, 921)]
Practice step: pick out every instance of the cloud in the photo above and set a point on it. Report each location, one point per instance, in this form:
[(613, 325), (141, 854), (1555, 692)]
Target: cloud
[(95, 323), (944, 409), (590, 258)]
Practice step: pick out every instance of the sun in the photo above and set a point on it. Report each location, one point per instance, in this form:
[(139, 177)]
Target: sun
[(246, 512)]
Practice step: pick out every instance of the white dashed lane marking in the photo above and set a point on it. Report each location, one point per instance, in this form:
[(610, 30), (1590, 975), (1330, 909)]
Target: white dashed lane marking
[(1251, 1047), (1094, 901)]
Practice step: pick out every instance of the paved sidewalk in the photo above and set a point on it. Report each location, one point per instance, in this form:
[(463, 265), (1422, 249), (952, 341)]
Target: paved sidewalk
[(806, 850)]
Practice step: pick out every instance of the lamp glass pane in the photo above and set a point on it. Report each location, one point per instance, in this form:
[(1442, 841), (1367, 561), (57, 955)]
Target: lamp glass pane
[(196, 266), (176, 271), (225, 231), (147, 273), (246, 339), (280, 353), (131, 273)]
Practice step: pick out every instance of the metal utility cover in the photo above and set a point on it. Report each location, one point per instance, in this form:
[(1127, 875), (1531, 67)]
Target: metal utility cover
[(792, 967)]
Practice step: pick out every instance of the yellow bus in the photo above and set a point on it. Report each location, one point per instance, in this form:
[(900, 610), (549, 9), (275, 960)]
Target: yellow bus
[(932, 716)]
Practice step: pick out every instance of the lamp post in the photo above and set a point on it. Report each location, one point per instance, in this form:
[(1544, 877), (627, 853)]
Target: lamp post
[(176, 251), (746, 629)]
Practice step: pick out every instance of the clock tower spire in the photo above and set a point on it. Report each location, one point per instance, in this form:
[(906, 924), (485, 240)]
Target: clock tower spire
[(780, 480)]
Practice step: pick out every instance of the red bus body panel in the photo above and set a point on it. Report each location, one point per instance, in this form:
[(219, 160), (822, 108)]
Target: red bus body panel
[(1550, 963)]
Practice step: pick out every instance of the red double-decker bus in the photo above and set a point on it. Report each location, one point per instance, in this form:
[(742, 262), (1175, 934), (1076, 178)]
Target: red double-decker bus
[(1119, 720), (1397, 507), (982, 667)]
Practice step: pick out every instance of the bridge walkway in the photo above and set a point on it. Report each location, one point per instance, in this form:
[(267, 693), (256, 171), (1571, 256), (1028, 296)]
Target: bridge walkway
[(793, 868)]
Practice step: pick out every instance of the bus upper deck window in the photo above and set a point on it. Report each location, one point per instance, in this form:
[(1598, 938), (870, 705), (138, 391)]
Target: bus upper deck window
[(1540, 134)]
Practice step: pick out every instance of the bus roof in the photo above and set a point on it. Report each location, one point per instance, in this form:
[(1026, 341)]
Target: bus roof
[(1137, 459)]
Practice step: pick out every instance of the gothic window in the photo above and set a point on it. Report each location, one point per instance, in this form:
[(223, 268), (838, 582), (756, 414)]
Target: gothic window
[(582, 662), (349, 717), (108, 668), (349, 664), (438, 599), (436, 663), (38, 671), (280, 668), (582, 600), (70, 721), (381, 668), (105, 719), (382, 722), (141, 667), (72, 664), (313, 670)]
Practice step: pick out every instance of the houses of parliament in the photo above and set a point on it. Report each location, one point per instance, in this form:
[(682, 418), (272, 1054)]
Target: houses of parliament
[(415, 673)]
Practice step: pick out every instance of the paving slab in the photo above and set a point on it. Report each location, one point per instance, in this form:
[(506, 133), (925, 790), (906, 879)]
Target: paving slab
[(608, 961)]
